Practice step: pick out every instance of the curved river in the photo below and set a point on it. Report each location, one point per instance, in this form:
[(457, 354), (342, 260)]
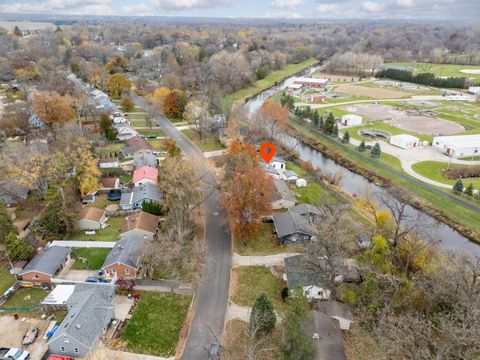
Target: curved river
[(354, 184)]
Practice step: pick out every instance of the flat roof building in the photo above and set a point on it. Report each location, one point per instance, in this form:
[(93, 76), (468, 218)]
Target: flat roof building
[(458, 146)]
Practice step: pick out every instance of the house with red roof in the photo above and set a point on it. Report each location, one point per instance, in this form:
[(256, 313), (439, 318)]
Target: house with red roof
[(145, 174)]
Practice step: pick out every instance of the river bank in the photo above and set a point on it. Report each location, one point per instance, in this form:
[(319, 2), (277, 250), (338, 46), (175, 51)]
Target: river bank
[(330, 150)]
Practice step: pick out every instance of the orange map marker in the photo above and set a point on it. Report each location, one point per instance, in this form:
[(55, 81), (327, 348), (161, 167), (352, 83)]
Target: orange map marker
[(267, 151)]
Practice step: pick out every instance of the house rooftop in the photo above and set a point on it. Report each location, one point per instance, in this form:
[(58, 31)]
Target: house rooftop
[(304, 270), (144, 158), (145, 172), (90, 213), (108, 160), (48, 261), (126, 251), (108, 183), (142, 220), (137, 144), (282, 191), (290, 222)]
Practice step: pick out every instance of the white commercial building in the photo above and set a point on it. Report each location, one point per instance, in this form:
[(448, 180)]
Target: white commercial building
[(474, 90), (404, 141), (458, 146), (351, 120), (311, 82)]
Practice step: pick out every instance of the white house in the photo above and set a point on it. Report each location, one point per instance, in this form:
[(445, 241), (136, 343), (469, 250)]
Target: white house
[(278, 163), (404, 141), (458, 145), (351, 120), (108, 163), (124, 131)]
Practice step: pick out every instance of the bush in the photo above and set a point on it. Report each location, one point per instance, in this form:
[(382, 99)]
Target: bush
[(262, 72), (127, 104), (462, 172)]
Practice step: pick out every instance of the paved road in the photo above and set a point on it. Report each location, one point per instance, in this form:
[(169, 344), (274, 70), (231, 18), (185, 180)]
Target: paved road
[(212, 294)]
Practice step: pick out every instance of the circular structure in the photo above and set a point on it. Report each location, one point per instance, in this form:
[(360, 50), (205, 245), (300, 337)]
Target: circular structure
[(374, 133)]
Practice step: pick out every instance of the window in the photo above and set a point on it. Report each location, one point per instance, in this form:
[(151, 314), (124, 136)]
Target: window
[(127, 271), (62, 349), (107, 272), (75, 350), (35, 276)]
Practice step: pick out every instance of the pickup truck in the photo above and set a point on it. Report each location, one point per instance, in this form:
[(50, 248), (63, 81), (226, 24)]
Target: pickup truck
[(13, 354)]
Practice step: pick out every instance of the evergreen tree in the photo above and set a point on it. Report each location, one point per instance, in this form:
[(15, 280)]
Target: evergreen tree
[(57, 220), (106, 127), (329, 124), (152, 207), (17, 248), (346, 137), (321, 123), (296, 344), (6, 224), (361, 147), (335, 130), (469, 190), (17, 31), (316, 118), (458, 187), (262, 317), (376, 151)]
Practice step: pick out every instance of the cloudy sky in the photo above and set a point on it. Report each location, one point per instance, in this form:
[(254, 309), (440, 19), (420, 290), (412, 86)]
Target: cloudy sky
[(367, 9)]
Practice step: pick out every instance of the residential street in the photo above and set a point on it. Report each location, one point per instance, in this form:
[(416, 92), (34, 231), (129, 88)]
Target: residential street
[(212, 294)]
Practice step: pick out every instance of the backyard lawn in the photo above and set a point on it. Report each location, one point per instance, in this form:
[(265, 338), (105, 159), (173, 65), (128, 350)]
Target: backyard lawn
[(108, 234), (26, 297), (433, 170), (265, 243), (156, 144), (252, 281), (94, 258), (6, 279), (209, 143), (156, 323), (152, 131)]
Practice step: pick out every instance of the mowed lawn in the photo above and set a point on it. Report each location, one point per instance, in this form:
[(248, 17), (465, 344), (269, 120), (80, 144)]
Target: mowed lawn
[(94, 258), (26, 297), (108, 234), (442, 69), (156, 323), (251, 281), (273, 78), (6, 279), (209, 143), (433, 170)]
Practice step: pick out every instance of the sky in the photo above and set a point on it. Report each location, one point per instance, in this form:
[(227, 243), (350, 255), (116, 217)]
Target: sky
[(326, 9)]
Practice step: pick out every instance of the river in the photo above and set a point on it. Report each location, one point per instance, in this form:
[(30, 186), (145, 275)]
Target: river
[(356, 185)]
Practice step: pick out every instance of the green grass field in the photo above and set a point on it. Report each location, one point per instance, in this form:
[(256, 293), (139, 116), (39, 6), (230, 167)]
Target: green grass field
[(26, 297), (273, 78), (152, 131), (441, 69), (254, 280), (95, 257), (210, 143), (108, 234), (156, 323), (433, 170), (6, 279)]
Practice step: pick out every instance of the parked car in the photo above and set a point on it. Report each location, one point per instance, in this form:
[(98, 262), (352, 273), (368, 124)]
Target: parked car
[(14, 354), (30, 336), (114, 195), (92, 279), (151, 136)]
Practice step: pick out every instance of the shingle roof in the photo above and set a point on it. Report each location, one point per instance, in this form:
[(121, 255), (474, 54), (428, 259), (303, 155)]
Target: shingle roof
[(11, 192), (91, 311), (282, 191), (126, 251), (142, 220), (304, 270), (144, 158), (145, 172), (108, 183), (306, 209), (145, 192), (48, 261), (137, 143), (90, 213), (290, 222)]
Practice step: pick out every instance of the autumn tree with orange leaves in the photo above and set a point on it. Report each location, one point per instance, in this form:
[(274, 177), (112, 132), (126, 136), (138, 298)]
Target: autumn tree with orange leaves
[(246, 191), (52, 108)]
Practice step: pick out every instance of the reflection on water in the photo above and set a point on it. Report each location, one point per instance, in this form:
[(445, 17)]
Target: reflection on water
[(357, 185)]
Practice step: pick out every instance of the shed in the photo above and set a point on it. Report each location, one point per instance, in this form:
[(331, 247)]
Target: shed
[(351, 120), (91, 218), (404, 141)]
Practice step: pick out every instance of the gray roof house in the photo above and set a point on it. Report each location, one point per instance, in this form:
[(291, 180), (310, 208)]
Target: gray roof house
[(126, 152), (326, 336), (144, 158), (139, 194), (303, 271), (296, 224), (282, 197), (126, 253), (12, 193), (90, 313), (45, 264)]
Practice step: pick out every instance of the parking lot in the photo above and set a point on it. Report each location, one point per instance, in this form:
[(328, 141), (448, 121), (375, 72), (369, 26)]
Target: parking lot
[(12, 332)]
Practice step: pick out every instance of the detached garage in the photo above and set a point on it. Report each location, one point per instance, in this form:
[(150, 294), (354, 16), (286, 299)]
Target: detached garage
[(404, 141), (351, 120)]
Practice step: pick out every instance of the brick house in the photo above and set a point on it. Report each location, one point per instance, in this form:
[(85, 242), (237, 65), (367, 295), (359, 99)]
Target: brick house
[(45, 264), (124, 259)]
